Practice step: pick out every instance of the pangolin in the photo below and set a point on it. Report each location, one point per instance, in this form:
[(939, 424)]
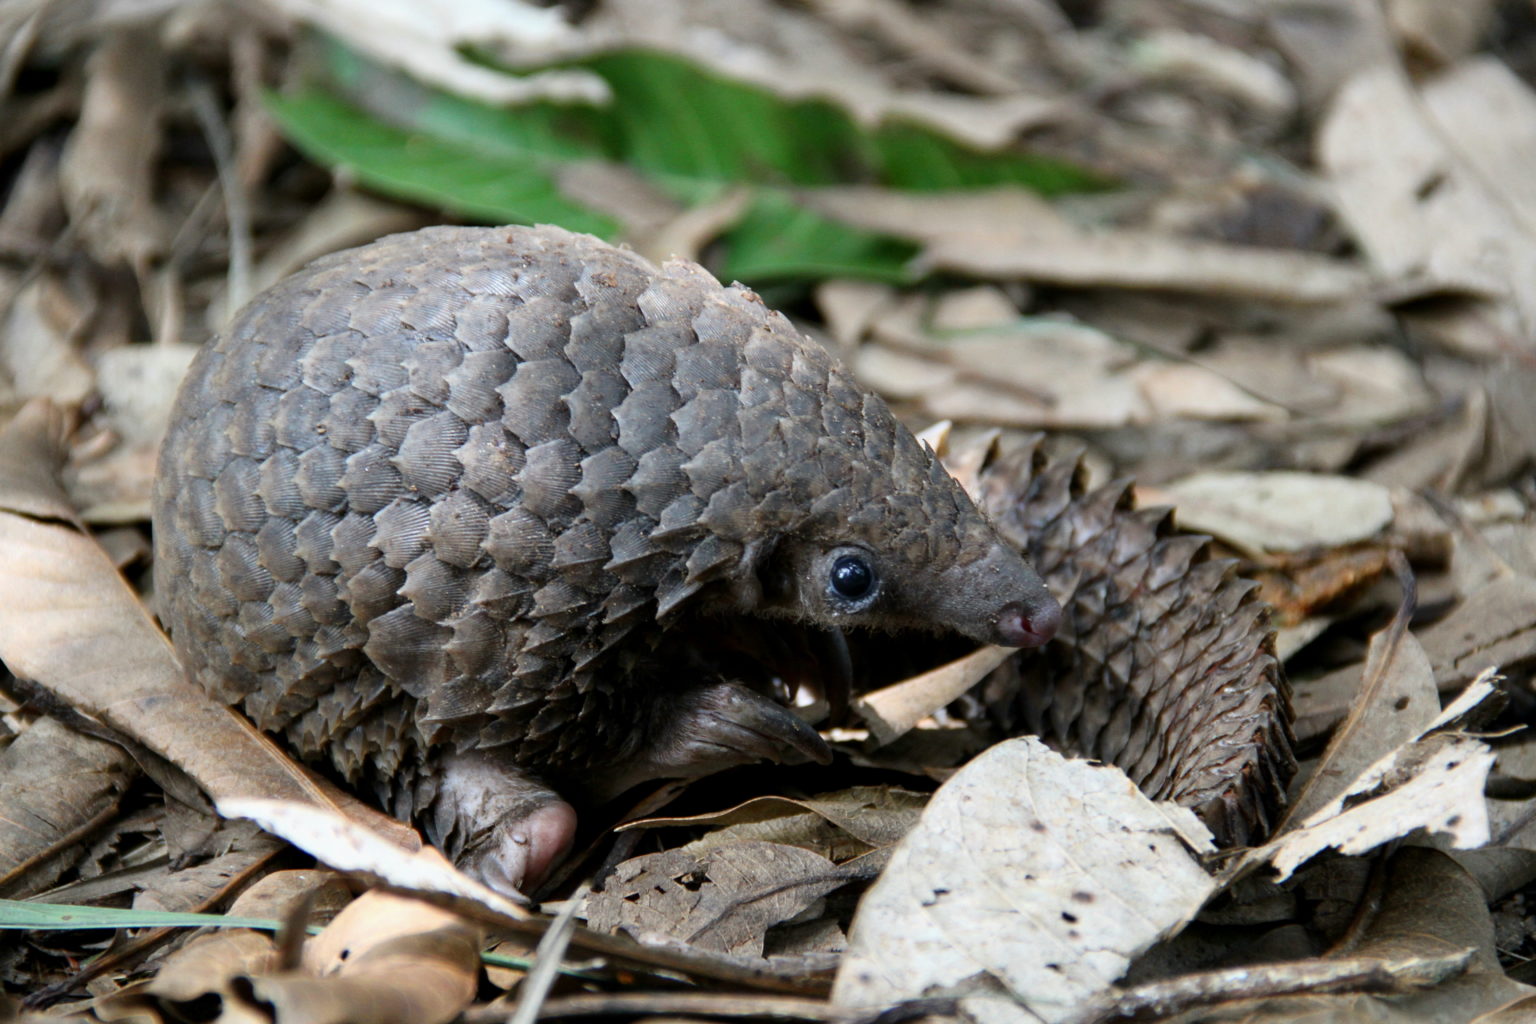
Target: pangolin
[(482, 517)]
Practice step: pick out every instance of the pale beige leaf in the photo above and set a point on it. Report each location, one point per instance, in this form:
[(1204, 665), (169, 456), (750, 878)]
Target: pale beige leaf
[(1280, 511), (1424, 214), (137, 384), (1437, 31), (1487, 116), (107, 174), (849, 307), (1186, 391), (427, 40), (38, 358), (1029, 884), (894, 710)]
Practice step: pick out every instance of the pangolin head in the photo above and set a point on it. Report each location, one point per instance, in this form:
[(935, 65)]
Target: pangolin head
[(910, 552), (830, 512)]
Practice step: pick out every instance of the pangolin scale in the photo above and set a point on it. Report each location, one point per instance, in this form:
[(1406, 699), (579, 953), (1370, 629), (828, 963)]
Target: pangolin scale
[(436, 509), (1165, 662)]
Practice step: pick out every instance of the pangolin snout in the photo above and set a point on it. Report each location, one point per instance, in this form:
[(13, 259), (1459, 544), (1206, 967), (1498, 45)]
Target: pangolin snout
[(1022, 624), (996, 599)]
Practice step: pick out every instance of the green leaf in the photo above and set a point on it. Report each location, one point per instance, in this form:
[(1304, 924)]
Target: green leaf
[(692, 132), (778, 240), (475, 181)]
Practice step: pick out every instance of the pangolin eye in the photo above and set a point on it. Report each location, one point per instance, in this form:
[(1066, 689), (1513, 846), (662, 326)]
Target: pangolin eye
[(852, 577)]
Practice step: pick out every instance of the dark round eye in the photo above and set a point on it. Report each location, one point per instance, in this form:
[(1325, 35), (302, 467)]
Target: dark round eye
[(852, 577)]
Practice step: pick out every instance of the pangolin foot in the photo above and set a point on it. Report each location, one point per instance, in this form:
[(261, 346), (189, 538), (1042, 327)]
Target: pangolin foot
[(498, 824)]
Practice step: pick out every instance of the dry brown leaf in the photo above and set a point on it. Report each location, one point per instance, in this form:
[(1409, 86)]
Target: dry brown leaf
[(1428, 954), (838, 825), (276, 895), (1395, 701), (108, 170), (849, 307), (59, 785), (1187, 391), (723, 900), (137, 384), (1303, 587), (202, 886), (1039, 371), (1494, 626), (211, 964), (384, 960), (1426, 213), (38, 357), (205, 966)]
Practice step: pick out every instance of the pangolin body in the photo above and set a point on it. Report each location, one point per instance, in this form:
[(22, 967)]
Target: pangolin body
[(437, 509)]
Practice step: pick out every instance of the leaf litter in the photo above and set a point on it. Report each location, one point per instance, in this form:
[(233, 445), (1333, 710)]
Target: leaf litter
[(1272, 263)]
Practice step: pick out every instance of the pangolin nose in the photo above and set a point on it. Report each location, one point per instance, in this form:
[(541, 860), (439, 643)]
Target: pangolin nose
[(1019, 625)]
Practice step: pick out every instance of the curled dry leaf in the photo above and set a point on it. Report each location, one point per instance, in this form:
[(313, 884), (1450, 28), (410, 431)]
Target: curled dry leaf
[(341, 842), (1433, 782), (1027, 887), (428, 40)]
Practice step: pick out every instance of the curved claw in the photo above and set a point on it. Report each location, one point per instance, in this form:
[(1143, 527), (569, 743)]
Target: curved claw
[(727, 724), (709, 729)]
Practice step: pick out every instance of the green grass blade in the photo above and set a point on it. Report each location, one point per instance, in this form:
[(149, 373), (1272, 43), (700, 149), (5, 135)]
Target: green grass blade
[(20, 914)]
